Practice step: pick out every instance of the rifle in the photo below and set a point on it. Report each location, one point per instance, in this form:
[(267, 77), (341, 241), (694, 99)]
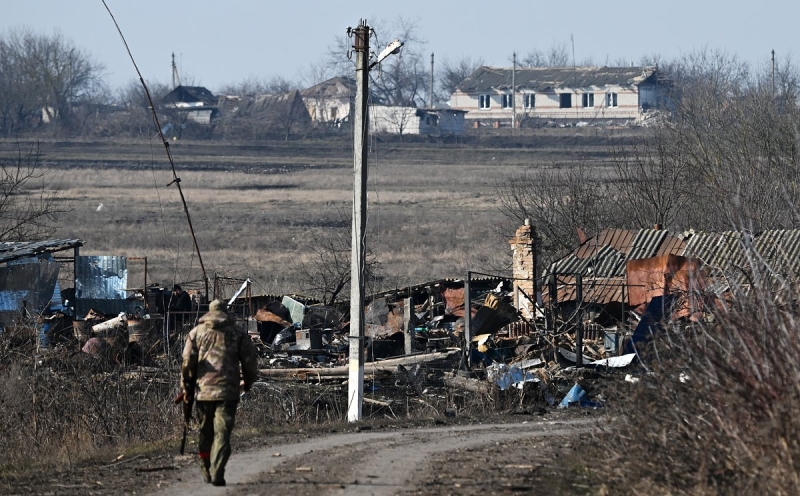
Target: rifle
[(187, 413)]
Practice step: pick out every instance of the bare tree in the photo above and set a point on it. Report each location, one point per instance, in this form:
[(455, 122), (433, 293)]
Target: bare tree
[(738, 138), (392, 119), (42, 77), (451, 73), (558, 200), (28, 204), (253, 87), (402, 80), (654, 181), (327, 272), (558, 55)]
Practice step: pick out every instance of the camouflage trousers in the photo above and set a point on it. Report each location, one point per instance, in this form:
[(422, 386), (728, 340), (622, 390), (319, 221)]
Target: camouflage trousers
[(216, 425)]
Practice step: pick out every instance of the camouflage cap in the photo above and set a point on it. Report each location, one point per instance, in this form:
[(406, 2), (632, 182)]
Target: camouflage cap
[(218, 306)]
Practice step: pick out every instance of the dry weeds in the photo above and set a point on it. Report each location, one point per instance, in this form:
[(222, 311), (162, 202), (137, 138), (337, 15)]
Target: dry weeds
[(255, 208)]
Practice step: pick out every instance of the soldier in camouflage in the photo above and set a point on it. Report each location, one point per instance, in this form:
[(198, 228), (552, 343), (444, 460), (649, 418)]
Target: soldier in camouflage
[(211, 376)]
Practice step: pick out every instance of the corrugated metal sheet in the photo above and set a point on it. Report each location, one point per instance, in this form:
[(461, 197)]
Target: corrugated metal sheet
[(598, 290), (100, 283), (15, 250), (619, 239), (11, 301), (672, 245), (646, 244), (26, 283)]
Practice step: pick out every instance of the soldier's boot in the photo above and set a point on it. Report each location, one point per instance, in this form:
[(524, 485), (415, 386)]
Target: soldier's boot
[(219, 478), (205, 466)]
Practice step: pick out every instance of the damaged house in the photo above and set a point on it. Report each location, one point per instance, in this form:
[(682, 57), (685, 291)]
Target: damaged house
[(192, 103), (558, 94), (609, 281)]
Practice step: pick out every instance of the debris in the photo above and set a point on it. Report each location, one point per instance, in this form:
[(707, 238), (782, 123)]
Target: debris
[(504, 376), (578, 396), (575, 395), (615, 362)]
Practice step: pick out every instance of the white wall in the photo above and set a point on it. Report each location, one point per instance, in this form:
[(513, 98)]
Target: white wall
[(548, 105), (395, 120)]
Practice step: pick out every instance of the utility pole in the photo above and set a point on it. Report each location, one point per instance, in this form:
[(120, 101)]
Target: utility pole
[(513, 92), (358, 250), (773, 74), (355, 384), (430, 105), (176, 79)]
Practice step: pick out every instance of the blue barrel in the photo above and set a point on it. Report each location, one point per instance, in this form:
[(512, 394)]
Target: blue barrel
[(44, 335)]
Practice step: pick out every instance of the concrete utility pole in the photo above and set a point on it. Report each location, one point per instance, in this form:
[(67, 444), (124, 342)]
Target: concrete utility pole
[(176, 79), (773, 74), (513, 91), (355, 385), (358, 249), (430, 105)]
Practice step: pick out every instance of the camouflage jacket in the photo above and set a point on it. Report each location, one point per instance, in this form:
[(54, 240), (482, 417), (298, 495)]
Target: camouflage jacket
[(214, 349)]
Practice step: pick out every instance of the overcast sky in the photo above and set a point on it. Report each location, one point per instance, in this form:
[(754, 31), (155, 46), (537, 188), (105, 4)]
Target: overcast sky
[(218, 42)]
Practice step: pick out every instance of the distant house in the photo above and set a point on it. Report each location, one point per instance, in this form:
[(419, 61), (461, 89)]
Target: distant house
[(264, 115), (411, 120), (196, 103), (330, 101), (564, 94)]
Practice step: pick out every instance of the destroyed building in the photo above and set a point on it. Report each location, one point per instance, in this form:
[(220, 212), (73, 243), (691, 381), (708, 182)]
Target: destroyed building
[(607, 281)]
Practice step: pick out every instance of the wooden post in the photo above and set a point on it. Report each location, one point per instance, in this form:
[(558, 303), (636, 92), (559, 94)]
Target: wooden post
[(408, 324)]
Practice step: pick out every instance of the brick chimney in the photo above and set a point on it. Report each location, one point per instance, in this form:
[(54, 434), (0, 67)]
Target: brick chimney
[(523, 266)]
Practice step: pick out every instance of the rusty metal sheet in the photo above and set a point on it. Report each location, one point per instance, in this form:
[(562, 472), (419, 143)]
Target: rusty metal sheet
[(599, 290), (264, 315), (666, 275), (454, 301), (672, 245), (619, 239)]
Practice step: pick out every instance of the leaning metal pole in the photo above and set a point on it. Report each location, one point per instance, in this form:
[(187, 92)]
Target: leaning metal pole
[(355, 388)]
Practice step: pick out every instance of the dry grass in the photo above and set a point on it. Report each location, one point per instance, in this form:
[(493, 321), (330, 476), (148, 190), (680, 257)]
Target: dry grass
[(256, 208)]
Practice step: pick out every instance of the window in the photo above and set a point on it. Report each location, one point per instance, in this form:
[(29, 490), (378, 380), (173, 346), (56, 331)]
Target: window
[(507, 101), (565, 100), (611, 99), (530, 101), (588, 99), (484, 101)]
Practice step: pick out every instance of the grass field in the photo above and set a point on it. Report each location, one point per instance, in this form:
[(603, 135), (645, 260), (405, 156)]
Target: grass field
[(258, 207)]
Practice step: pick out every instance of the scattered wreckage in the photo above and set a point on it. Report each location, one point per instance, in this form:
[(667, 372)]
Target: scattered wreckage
[(479, 335)]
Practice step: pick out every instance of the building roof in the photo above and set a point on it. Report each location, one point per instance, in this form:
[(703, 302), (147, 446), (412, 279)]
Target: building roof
[(602, 259), (543, 79), (336, 87), (15, 250), (190, 94)]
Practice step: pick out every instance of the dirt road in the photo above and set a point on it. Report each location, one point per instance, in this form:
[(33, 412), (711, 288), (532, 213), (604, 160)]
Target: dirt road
[(397, 462)]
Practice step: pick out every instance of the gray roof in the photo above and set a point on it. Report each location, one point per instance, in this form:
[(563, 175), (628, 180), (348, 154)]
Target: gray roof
[(190, 94), (10, 251), (543, 79)]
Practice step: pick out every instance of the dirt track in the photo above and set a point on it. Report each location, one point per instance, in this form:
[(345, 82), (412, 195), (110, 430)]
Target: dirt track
[(398, 462)]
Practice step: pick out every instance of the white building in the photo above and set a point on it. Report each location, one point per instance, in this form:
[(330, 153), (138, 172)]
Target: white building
[(411, 120), (563, 94), (330, 101)]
